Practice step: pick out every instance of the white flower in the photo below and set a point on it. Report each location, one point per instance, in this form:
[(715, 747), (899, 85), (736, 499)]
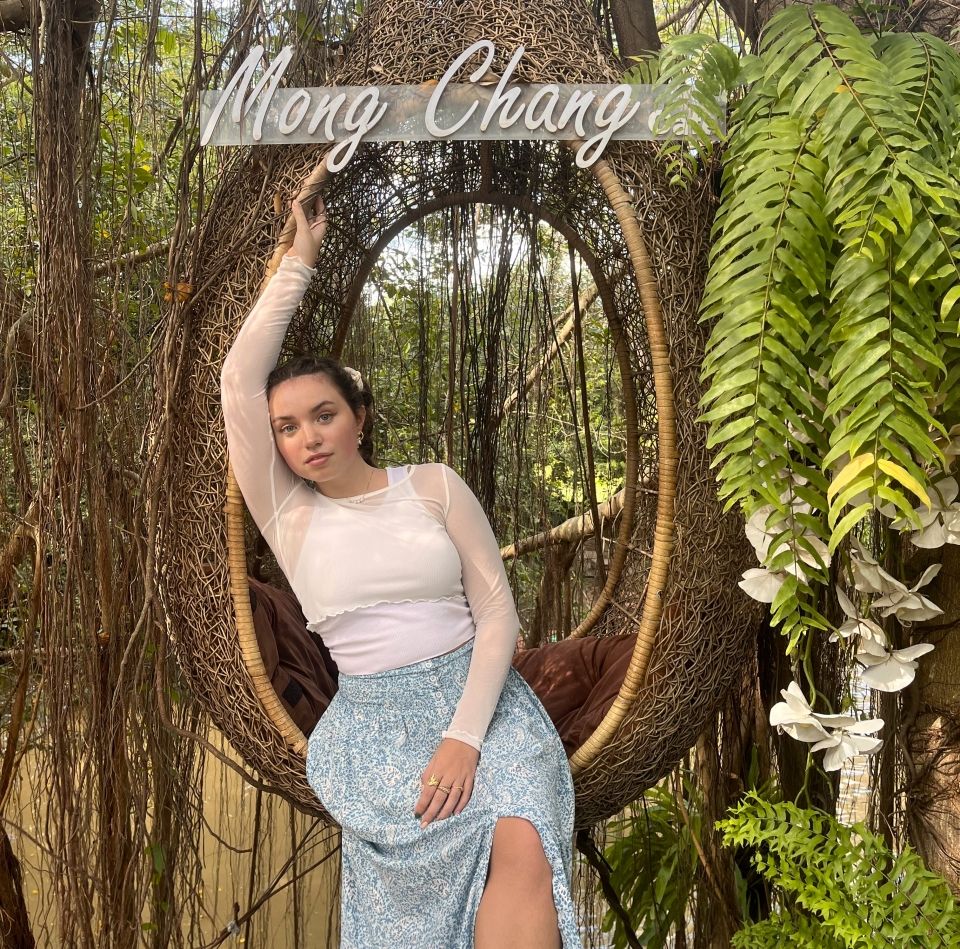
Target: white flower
[(868, 575), (788, 496), (866, 629), (757, 533), (888, 669), (940, 523), (836, 721), (950, 445), (762, 584), (850, 737), (794, 716), (814, 560), (800, 435), (842, 735), (908, 605)]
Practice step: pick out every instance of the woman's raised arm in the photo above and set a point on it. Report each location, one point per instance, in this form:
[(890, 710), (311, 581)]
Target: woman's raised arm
[(266, 481)]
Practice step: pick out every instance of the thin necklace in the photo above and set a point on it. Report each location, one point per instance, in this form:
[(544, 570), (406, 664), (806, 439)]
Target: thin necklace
[(363, 496)]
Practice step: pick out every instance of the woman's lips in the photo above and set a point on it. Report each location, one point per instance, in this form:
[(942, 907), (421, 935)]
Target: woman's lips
[(318, 461)]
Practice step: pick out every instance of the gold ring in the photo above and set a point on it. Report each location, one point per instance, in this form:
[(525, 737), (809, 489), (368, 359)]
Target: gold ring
[(434, 781), (442, 788), (458, 787)]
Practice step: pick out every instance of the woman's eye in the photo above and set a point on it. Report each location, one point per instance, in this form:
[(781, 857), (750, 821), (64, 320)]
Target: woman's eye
[(289, 427)]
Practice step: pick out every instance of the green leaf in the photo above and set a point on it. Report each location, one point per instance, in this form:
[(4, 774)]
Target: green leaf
[(949, 302), (847, 523)]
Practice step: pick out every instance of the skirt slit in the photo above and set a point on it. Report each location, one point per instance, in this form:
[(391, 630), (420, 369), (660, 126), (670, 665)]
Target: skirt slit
[(560, 885)]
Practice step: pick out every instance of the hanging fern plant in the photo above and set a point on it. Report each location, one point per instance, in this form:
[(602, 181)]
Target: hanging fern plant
[(832, 296), (833, 284)]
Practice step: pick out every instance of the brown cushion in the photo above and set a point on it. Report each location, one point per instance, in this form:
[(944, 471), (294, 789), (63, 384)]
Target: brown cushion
[(576, 680), (301, 670)]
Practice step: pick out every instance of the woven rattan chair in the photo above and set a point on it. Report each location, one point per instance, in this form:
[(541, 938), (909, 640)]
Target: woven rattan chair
[(673, 576)]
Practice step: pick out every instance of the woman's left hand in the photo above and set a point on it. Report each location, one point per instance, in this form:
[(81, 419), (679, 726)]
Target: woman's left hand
[(455, 764)]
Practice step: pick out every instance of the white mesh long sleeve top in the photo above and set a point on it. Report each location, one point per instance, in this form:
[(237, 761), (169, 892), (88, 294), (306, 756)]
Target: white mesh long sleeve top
[(387, 578)]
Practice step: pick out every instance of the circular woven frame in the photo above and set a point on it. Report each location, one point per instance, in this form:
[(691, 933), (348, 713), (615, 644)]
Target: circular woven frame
[(682, 558)]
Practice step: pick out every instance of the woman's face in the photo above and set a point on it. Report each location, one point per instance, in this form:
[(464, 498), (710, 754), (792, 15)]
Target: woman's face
[(314, 427)]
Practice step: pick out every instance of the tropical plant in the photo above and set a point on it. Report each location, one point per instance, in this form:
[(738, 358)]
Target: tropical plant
[(833, 283), (653, 861), (837, 885), (834, 350)]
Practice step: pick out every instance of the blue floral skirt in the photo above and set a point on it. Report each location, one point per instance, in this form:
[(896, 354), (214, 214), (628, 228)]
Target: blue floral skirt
[(407, 887)]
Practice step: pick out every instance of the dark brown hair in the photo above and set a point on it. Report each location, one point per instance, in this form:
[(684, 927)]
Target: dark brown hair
[(307, 365)]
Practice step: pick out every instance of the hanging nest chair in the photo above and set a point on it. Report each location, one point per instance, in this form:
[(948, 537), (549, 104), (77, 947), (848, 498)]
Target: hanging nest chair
[(672, 579)]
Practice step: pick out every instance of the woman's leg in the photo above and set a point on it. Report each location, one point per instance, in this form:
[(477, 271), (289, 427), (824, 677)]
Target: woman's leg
[(517, 910)]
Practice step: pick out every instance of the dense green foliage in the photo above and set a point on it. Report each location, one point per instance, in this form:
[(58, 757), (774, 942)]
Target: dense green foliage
[(842, 886), (831, 369), (653, 860), (833, 284)]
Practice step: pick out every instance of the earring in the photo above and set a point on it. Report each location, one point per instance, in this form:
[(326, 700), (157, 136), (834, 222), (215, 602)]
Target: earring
[(359, 437)]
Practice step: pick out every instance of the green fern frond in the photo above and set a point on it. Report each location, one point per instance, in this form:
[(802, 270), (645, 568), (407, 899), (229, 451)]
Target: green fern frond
[(834, 280), (786, 930), (844, 879), (696, 75)]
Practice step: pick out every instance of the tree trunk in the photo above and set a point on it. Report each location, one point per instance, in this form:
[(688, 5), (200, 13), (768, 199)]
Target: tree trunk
[(14, 922), (635, 27), (931, 730)]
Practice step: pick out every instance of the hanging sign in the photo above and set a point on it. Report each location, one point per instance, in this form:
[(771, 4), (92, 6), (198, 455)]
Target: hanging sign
[(483, 108)]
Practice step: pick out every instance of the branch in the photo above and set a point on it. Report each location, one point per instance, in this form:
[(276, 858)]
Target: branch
[(16, 346), (586, 299), (133, 257), (574, 528), (19, 544), (596, 860), (680, 14)]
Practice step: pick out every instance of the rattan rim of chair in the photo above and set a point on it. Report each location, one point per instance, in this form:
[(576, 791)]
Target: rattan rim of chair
[(663, 534), (243, 617)]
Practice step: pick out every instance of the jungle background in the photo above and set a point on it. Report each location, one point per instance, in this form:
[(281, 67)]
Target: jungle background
[(126, 818)]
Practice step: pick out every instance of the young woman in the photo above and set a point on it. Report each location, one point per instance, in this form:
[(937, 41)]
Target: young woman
[(438, 761)]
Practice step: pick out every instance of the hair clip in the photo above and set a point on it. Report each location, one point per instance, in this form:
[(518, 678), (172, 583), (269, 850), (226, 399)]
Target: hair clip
[(357, 378)]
